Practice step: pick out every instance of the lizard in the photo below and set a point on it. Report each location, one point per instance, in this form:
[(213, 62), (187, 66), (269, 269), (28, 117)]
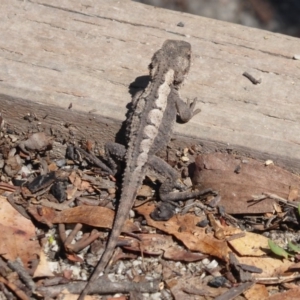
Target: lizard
[(149, 129)]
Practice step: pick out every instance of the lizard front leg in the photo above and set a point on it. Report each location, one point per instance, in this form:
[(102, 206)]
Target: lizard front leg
[(185, 110)]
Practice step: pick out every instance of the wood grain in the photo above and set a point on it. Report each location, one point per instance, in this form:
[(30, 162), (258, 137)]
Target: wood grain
[(94, 54)]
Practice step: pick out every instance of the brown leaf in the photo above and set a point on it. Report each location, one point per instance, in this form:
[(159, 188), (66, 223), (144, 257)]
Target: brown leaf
[(251, 244), (293, 193), (16, 234), (153, 244), (90, 215), (74, 258), (187, 287), (43, 269), (75, 179), (89, 145), (295, 267), (78, 182), (156, 244), (184, 228), (52, 166), (179, 254), (71, 191), (272, 267), (13, 165), (257, 292), (289, 295), (217, 171)]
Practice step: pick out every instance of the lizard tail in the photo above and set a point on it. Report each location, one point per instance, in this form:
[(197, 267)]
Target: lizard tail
[(127, 198)]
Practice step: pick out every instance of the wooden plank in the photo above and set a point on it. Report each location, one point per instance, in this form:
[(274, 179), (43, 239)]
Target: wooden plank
[(94, 54)]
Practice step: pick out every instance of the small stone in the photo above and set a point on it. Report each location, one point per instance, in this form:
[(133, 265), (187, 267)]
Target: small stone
[(58, 190), (131, 214), (191, 151), (212, 265), (13, 165), (13, 138), (145, 191), (111, 191), (188, 182), (217, 281), (296, 57), (184, 158), (180, 24), (61, 162), (185, 172), (202, 223), (269, 162), (196, 148)]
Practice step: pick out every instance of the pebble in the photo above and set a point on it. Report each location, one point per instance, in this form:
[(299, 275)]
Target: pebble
[(145, 191), (13, 137), (184, 158), (111, 191), (61, 162), (269, 162)]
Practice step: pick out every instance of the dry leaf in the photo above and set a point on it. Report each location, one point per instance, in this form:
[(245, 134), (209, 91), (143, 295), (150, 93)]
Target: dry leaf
[(16, 235), (272, 267), (43, 269), (52, 167), (153, 244), (250, 244), (257, 292), (190, 288), (80, 184), (71, 191), (289, 295), (157, 244), (13, 165), (184, 228), (179, 254), (293, 194), (74, 258), (90, 215)]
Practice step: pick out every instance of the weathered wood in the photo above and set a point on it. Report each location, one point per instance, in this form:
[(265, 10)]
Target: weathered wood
[(88, 52)]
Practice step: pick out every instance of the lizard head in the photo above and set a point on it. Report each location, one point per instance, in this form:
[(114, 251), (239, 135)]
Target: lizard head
[(175, 55)]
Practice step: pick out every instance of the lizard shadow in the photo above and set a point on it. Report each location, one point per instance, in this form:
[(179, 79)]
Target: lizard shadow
[(136, 86)]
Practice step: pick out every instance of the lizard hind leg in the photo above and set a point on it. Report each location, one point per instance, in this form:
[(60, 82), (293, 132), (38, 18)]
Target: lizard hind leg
[(115, 154), (170, 181)]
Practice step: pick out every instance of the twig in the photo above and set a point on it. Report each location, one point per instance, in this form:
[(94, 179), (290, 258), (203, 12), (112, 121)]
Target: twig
[(14, 289), (8, 295), (8, 187), (59, 206), (257, 198), (94, 160), (235, 291), (18, 267), (251, 78), (278, 279), (101, 286)]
